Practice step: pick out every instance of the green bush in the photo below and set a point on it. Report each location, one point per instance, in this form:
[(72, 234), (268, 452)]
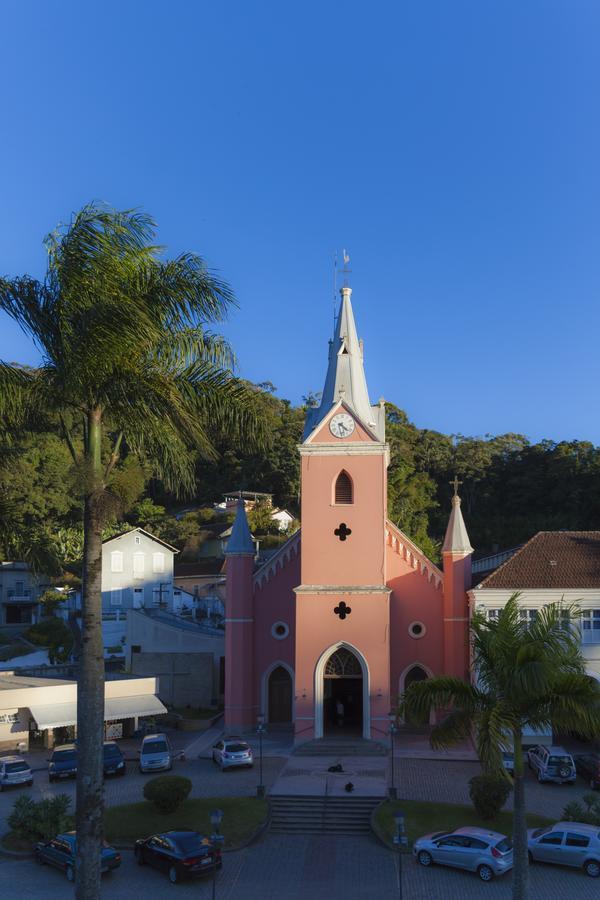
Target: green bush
[(54, 634), (167, 792), (41, 821), (585, 810), (488, 794)]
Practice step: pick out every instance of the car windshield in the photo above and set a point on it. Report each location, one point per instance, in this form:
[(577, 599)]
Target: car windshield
[(236, 748), (559, 761), (189, 843), (64, 756), (16, 767), (504, 846), (111, 750), (155, 747)]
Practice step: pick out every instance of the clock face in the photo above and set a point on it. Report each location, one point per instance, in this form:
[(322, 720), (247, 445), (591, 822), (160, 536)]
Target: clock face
[(342, 425)]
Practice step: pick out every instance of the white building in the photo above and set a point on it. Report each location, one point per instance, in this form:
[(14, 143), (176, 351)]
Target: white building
[(137, 571), (33, 709)]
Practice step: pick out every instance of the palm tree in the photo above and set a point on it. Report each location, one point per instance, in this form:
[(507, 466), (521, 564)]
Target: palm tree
[(127, 356), (525, 674)]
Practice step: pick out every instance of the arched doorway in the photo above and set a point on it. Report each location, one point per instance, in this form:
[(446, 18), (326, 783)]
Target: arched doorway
[(414, 674), (280, 696), (343, 694)]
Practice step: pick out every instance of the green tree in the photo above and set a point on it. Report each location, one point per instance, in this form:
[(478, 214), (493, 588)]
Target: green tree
[(526, 674), (127, 354)]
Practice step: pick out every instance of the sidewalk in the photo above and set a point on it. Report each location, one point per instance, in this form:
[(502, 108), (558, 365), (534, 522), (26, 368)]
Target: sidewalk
[(309, 776)]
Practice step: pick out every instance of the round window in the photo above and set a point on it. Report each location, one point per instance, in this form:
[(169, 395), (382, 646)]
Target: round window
[(416, 629), (280, 630)]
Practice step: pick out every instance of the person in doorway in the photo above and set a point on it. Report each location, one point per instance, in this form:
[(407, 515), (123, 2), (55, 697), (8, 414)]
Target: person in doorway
[(339, 711)]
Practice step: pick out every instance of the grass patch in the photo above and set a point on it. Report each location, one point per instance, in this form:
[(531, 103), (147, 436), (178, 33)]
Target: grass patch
[(188, 713), (241, 818), (17, 844), (422, 818), (11, 651)]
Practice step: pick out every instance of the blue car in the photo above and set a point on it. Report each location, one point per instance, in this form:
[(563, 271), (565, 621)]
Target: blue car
[(63, 762), (61, 851)]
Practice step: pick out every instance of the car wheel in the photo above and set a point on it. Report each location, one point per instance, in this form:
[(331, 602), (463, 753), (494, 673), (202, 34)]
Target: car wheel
[(592, 868), (70, 873), (485, 873), (424, 858), (139, 856), (173, 875)]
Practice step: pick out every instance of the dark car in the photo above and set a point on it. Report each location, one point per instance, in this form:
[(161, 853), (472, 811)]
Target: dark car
[(181, 854), (61, 851), (63, 762), (588, 766), (114, 761)]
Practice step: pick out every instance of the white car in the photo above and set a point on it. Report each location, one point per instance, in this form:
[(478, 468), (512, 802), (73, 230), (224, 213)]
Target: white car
[(14, 771), (155, 755), (231, 752)]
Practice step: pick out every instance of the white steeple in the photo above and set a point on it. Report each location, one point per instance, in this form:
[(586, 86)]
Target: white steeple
[(240, 543), (456, 539), (345, 379)]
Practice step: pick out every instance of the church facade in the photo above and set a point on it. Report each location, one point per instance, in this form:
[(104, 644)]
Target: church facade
[(334, 627)]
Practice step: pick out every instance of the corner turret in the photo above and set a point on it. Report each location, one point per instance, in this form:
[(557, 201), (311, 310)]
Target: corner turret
[(240, 709), (456, 552)]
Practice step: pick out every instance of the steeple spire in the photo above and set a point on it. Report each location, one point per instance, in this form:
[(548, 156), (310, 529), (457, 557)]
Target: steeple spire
[(456, 539), (240, 542), (345, 379)]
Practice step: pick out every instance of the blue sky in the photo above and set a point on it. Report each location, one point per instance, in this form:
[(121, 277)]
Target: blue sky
[(452, 147)]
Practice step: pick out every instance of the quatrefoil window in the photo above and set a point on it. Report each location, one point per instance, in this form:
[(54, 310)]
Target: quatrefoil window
[(343, 531)]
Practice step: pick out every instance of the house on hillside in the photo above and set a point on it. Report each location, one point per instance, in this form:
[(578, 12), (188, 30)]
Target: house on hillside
[(137, 571), (20, 590), (283, 518)]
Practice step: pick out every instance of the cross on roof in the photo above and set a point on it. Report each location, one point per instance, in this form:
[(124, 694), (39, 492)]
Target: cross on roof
[(455, 483)]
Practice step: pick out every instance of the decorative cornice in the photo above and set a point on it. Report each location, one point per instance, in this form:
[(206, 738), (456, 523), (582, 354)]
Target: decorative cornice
[(358, 448), (278, 560), (403, 546), (342, 589)]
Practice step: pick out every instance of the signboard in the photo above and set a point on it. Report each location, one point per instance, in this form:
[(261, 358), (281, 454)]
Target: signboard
[(114, 730), (9, 718)]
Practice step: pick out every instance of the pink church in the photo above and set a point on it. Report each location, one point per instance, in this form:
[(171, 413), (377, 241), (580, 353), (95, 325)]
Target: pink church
[(327, 634)]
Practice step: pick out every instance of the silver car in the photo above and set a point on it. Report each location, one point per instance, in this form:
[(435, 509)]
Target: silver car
[(231, 752), (14, 770), (567, 843), (155, 755), (488, 853), (552, 764)]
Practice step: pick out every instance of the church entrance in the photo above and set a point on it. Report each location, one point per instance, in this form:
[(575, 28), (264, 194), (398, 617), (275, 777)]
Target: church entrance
[(280, 696), (343, 695)]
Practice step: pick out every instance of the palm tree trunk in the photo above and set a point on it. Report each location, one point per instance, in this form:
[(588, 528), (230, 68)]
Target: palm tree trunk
[(520, 881), (90, 685)]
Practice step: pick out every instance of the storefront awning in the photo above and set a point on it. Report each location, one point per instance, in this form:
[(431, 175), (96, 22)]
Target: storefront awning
[(57, 715)]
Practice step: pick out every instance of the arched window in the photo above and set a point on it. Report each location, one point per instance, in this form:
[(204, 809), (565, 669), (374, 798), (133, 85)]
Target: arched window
[(343, 488)]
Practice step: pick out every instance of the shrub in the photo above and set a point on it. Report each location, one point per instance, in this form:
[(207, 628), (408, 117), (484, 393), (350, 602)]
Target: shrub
[(54, 634), (586, 810), (41, 821), (488, 794), (167, 792)]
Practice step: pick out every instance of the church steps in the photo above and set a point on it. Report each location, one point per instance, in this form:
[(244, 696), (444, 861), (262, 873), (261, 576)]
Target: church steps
[(295, 814)]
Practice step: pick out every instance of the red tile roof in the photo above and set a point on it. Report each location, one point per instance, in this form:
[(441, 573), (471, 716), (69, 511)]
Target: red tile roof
[(559, 560)]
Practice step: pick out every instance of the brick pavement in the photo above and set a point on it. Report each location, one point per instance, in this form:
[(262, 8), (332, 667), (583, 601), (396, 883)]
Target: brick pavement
[(281, 867)]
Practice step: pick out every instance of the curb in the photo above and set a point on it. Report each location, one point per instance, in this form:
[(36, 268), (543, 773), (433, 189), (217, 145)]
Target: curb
[(14, 854), (379, 834)]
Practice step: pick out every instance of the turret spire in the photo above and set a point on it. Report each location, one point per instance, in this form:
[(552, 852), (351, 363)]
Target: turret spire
[(345, 378), (456, 539), (240, 543)]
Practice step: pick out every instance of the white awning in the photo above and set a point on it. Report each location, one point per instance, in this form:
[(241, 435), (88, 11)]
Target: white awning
[(57, 715), (128, 707)]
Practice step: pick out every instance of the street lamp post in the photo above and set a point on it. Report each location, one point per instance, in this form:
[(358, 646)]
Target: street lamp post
[(216, 838), (260, 730), (401, 841), (393, 733)]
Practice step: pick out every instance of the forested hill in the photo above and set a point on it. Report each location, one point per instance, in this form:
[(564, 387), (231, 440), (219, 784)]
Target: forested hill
[(511, 487)]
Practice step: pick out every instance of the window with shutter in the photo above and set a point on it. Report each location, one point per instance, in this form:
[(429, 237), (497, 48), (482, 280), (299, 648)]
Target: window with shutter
[(116, 561), (116, 597), (138, 565), (343, 488), (158, 562)]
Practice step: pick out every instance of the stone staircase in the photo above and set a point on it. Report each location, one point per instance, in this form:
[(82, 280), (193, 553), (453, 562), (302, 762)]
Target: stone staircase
[(299, 814), (340, 748)]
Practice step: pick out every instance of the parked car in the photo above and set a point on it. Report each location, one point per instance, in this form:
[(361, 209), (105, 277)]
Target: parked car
[(231, 752), (552, 764), (14, 770), (508, 761), (181, 854), (114, 761), (588, 766), (486, 852), (567, 843), (155, 755), (63, 762), (61, 851)]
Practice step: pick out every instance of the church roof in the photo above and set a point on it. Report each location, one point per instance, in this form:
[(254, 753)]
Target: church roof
[(240, 542), (560, 560), (345, 379), (456, 539)]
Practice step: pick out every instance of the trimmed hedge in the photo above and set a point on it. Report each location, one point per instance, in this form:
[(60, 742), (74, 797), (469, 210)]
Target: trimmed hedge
[(488, 794), (167, 792)]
